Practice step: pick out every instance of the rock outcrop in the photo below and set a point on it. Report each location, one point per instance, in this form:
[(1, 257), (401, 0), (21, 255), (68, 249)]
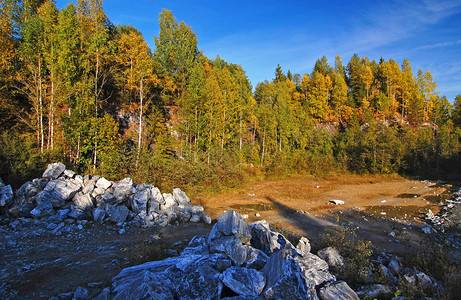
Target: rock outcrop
[(246, 261), (62, 194)]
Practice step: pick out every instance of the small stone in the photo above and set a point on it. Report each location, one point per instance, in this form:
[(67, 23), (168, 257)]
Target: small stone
[(121, 231), (69, 173), (206, 219), (79, 227), (81, 293), (332, 257), (303, 246), (194, 219), (337, 202)]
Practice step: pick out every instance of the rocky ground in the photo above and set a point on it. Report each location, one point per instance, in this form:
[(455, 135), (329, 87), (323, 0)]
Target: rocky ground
[(42, 261), (38, 264)]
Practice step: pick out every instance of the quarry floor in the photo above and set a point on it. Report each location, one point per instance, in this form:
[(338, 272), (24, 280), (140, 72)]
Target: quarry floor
[(385, 210)]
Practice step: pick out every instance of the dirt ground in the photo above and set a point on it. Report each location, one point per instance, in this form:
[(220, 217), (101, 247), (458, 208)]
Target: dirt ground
[(385, 210), (377, 206)]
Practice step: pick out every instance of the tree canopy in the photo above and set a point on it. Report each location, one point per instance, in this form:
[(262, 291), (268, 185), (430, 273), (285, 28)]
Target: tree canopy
[(76, 88)]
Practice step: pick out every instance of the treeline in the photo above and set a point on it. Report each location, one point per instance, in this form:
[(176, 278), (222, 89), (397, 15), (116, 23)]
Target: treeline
[(76, 88)]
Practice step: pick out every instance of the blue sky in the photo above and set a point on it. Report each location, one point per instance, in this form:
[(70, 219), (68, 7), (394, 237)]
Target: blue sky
[(261, 34)]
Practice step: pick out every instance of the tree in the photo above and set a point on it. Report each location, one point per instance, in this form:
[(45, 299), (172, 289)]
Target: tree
[(135, 60), (408, 87), (8, 52), (175, 48), (426, 89), (356, 85), (279, 75), (322, 66), (457, 111)]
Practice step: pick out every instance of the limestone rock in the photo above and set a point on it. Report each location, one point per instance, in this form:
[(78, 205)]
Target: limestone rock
[(261, 236), (118, 214), (332, 257), (374, 291), (45, 208), (61, 190), (53, 171), (256, 259), (139, 201), (244, 281), (83, 202), (338, 290), (232, 223), (284, 278), (303, 246), (180, 198), (103, 183), (314, 268), (232, 246), (168, 201), (123, 190), (278, 242), (6, 194), (98, 215)]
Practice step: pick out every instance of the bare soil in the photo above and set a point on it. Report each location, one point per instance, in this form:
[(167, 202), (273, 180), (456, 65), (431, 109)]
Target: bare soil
[(43, 265), (374, 205)]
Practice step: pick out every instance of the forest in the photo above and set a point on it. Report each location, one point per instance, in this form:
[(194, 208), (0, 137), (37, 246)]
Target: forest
[(78, 89)]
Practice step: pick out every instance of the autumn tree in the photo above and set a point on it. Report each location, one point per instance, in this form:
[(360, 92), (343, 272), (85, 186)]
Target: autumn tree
[(135, 60)]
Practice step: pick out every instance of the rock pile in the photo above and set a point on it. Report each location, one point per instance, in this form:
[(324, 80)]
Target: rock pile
[(62, 194), (240, 260), (393, 276), (6, 194), (448, 216)]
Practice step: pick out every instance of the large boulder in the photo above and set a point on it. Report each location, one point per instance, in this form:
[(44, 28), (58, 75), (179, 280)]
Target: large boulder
[(43, 209), (118, 214), (53, 171), (181, 198), (244, 281), (284, 278), (83, 202), (139, 201), (59, 191), (225, 259), (261, 236), (183, 277), (338, 290), (123, 190), (314, 268), (232, 223), (232, 247)]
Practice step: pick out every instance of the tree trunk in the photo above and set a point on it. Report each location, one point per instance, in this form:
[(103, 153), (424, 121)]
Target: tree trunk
[(141, 96), (40, 101)]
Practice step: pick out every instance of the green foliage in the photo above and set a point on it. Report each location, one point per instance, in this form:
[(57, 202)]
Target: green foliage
[(356, 253), (77, 89)]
